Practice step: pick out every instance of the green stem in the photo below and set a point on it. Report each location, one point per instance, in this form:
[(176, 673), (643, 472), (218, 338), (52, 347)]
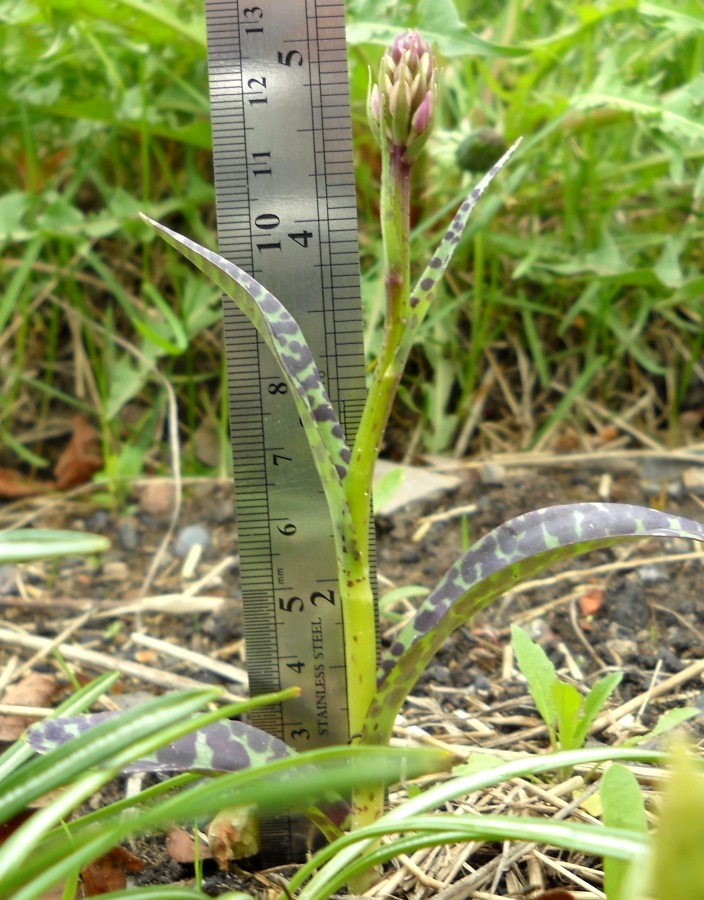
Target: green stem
[(395, 230), (368, 802), (360, 658)]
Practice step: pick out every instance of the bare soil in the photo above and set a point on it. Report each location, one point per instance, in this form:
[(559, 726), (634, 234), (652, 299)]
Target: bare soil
[(637, 609)]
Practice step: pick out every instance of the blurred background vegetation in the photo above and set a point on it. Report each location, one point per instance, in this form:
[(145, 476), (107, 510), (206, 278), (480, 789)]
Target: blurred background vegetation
[(573, 315)]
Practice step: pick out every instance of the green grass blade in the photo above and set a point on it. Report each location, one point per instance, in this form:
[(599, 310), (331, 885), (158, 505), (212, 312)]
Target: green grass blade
[(44, 774), (619, 844), (20, 751), (280, 785), (328, 862)]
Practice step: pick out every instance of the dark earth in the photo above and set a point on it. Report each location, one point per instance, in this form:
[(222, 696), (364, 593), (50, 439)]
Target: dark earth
[(623, 608)]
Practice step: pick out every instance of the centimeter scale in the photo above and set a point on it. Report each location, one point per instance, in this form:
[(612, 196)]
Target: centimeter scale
[(286, 213)]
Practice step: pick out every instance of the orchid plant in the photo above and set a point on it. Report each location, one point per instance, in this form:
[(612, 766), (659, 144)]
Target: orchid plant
[(401, 107)]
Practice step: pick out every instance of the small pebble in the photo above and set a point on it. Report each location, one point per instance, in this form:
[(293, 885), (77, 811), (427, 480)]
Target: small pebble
[(628, 606), (8, 580), (670, 661), (693, 480), (157, 498), (438, 674), (492, 475), (127, 534), (622, 649), (673, 489), (409, 555), (223, 511), (652, 574), (98, 521), (482, 685), (116, 570), (699, 703), (189, 537)]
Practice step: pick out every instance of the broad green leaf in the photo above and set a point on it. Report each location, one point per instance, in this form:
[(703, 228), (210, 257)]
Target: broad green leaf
[(677, 113), (13, 208), (458, 42), (622, 803), (501, 559), (680, 21), (127, 378), (35, 543), (540, 674), (439, 22), (594, 702)]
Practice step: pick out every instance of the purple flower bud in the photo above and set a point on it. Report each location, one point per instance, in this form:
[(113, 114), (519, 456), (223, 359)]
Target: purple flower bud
[(400, 108), (421, 117)]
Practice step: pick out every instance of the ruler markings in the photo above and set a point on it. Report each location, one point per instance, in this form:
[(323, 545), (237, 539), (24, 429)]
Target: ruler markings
[(283, 168)]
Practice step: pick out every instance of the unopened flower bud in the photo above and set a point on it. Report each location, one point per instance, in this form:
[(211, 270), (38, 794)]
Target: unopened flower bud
[(401, 106)]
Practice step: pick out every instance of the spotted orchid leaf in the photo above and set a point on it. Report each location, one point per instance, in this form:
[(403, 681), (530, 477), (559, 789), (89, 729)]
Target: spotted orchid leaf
[(223, 746), (218, 747), (500, 560), (424, 291), (283, 336)]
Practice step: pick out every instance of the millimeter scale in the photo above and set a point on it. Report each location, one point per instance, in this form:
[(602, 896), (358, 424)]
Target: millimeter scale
[(286, 213)]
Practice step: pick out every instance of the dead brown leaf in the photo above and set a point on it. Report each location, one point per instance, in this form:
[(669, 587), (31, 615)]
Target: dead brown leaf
[(180, 845), (77, 464), (14, 486), (81, 458), (566, 442), (109, 872), (34, 690), (607, 434)]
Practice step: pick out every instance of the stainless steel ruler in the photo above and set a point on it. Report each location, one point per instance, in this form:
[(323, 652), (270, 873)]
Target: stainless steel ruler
[(286, 213)]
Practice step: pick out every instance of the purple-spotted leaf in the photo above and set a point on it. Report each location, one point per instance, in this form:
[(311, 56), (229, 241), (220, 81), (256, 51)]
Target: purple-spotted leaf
[(282, 335), (218, 747), (501, 559), (424, 291)]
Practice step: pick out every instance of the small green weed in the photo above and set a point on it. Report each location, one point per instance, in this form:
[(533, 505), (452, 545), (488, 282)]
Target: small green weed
[(567, 713)]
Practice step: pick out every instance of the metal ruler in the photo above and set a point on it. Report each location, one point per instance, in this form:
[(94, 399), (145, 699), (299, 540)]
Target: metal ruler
[(286, 213)]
